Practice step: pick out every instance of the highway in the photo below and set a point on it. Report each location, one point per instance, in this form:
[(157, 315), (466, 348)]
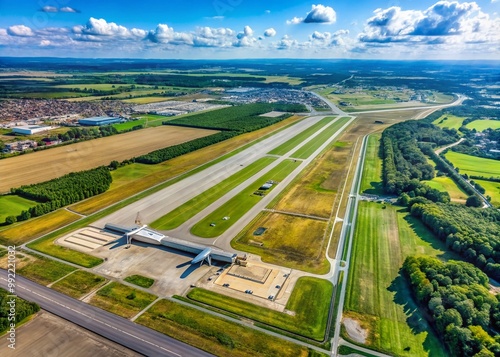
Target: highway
[(122, 331)]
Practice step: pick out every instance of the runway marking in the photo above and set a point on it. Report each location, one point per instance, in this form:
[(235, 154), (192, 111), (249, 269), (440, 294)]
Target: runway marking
[(96, 320)]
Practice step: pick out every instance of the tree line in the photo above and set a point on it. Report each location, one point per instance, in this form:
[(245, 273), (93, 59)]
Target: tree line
[(23, 309), (462, 310)]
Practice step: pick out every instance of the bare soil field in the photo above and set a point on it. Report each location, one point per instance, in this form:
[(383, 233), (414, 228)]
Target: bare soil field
[(48, 164)]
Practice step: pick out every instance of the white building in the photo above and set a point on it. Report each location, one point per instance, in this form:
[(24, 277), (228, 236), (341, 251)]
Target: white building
[(31, 129)]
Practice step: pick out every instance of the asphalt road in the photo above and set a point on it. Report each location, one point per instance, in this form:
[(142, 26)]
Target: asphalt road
[(122, 331)]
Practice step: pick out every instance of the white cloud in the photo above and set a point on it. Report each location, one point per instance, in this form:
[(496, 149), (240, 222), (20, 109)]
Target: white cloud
[(319, 14), (20, 30), (68, 9), (44, 43), (270, 32), (248, 31), (294, 21), (3, 32), (49, 9)]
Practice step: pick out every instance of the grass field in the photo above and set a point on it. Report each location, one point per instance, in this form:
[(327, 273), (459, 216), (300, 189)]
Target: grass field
[(446, 184), (13, 205), (241, 203), (121, 299), (131, 179), (472, 165), (214, 334), (140, 280), (481, 125), (492, 190), (100, 86), (44, 271), (293, 242), (372, 174), (189, 209), (45, 165), (449, 121), (147, 100), (50, 95), (309, 301), (305, 151), (377, 295), (78, 284), (23, 232), (296, 140)]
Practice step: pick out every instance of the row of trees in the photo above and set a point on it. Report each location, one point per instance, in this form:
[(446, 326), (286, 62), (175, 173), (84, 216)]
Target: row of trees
[(63, 191), (472, 233), (456, 296), (23, 309)]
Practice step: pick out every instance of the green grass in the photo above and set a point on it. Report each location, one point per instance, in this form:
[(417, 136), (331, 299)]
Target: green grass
[(78, 284), (13, 205), (145, 120), (346, 351), (122, 300), (99, 86), (140, 280), (45, 271), (310, 301), (189, 209), (241, 203), (481, 125), (296, 140), (449, 121), (305, 151), (492, 189), (472, 165), (214, 334), (446, 184), (50, 95), (372, 174)]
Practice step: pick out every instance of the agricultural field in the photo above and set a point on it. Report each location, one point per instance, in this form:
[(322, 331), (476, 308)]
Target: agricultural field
[(290, 241), (310, 302), (446, 184), (13, 205), (492, 189), (101, 86), (78, 284), (378, 297), (50, 95), (147, 100), (189, 209), (215, 334), (449, 121), (45, 165), (147, 120), (372, 175), (472, 165), (482, 125), (121, 299), (241, 203)]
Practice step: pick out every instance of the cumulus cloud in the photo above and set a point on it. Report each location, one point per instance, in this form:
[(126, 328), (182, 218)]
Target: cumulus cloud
[(319, 14), (270, 32), (101, 30), (20, 30)]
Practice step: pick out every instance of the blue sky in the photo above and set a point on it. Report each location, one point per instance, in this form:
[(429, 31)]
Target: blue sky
[(393, 29)]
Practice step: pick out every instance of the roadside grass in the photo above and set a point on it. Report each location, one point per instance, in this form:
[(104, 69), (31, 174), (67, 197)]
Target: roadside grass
[(214, 334), (482, 125), (121, 299), (13, 205), (147, 176), (310, 301), (241, 203), (348, 351), (293, 242), (140, 280), (472, 165), (43, 270), (377, 294), (297, 139), (22, 232), (372, 175), (449, 121), (181, 214), (446, 184), (78, 283), (492, 189), (305, 151)]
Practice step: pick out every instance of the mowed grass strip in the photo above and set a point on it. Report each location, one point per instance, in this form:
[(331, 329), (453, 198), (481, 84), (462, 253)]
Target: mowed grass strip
[(241, 203), (473, 165), (307, 150), (140, 280), (310, 301), (78, 284), (297, 139), (189, 209), (449, 121), (121, 299), (372, 173), (214, 334), (482, 125), (22, 232), (43, 270), (13, 205)]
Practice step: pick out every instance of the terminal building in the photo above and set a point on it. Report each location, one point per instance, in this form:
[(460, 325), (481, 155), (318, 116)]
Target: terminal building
[(98, 121)]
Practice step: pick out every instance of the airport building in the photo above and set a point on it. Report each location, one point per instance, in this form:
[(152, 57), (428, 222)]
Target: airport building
[(31, 129), (98, 121)]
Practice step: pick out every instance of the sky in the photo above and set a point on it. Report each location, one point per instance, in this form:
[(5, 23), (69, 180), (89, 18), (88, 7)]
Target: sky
[(226, 29)]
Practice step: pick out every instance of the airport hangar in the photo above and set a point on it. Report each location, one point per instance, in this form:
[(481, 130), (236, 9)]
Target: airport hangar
[(98, 121)]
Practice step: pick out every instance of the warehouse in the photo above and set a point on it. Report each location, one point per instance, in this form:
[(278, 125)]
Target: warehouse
[(31, 129), (98, 121)]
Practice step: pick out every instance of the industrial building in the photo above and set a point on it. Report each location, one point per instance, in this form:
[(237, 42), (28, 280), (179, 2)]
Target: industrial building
[(98, 121), (147, 235), (31, 129)]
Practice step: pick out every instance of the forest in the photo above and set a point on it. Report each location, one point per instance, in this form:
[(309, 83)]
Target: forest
[(23, 309), (455, 295)]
